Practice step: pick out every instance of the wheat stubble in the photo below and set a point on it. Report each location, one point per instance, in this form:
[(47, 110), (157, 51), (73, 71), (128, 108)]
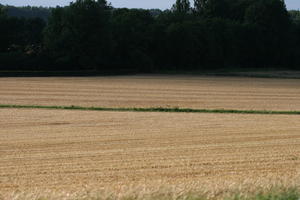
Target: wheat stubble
[(69, 150), (155, 91)]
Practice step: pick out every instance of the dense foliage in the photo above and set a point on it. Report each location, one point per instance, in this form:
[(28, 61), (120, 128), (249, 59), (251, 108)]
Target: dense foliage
[(28, 12), (211, 34)]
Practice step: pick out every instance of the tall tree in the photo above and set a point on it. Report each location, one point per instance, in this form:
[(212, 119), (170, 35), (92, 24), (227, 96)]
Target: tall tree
[(33, 30), (2, 13), (3, 27), (132, 38), (216, 8), (272, 22), (268, 14), (199, 5), (80, 33), (182, 6)]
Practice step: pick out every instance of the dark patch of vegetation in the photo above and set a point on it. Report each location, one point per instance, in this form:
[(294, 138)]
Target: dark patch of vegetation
[(158, 109), (28, 12), (290, 194), (92, 35)]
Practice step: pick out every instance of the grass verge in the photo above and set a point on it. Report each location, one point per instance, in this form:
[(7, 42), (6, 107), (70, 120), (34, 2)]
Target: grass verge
[(289, 194), (158, 109)]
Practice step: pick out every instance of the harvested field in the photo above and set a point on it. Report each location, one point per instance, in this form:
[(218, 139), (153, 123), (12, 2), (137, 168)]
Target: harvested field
[(155, 91), (63, 150)]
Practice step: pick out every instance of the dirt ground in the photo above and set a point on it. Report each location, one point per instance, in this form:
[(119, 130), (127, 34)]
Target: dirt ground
[(70, 150), (155, 91)]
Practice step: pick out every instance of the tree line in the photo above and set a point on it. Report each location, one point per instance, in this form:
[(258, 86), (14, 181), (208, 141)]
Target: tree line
[(28, 12), (202, 35)]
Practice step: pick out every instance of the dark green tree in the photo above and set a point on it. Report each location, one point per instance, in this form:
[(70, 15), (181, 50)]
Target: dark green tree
[(3, 27), (89, 34), (295, 16), (28, 12), (272, 22), (268, 14), (216, 8), (132, 38), (33, 30), (80, 34), (182, 6), (199, 5), (2, 11)]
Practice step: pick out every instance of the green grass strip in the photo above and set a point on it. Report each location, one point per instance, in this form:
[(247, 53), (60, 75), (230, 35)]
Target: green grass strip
[(158, 109)]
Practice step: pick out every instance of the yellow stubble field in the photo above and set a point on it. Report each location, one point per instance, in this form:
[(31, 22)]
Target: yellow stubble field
[(155, 91), (69, 152)]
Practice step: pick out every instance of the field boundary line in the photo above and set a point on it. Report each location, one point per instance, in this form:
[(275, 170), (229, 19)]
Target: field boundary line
[(157, 109)]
